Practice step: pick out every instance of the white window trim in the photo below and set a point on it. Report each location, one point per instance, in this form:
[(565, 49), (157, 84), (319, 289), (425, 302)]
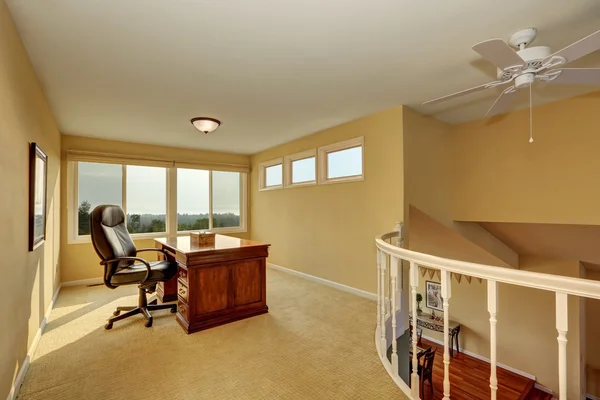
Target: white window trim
[(171, 211), (323, 151), (243, 207), (288, 166), (262, 167)]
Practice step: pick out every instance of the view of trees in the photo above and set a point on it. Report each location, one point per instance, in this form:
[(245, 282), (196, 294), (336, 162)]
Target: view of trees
[(190, 222), (84, 218), (144, 223)]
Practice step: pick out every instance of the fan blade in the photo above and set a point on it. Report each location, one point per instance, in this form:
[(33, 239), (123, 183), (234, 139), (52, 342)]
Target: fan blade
[(578, 76), (583, 47), (467, 91), (502, 102), (499, 53)]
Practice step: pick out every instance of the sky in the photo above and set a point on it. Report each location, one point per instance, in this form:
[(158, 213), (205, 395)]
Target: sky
[(147, 189)]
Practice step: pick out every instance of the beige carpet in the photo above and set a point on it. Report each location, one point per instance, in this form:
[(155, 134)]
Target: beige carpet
[(315, 343)]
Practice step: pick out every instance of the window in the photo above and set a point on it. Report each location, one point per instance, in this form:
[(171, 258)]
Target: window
[(226, 199), (97, 184), (197, 199), (271, 175), (341, 162), (193, 199), (209, 200), (301, 169), (146, 199)]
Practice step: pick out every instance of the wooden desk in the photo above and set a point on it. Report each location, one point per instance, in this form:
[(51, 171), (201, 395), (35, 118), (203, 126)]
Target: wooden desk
[(217, 284), (424, 321)]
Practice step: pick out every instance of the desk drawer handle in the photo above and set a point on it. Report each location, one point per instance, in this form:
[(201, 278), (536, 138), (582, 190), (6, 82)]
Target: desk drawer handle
[(182, 308), (182, 292)]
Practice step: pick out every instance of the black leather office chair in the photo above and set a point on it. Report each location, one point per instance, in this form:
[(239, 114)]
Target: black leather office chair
[(122, 266)]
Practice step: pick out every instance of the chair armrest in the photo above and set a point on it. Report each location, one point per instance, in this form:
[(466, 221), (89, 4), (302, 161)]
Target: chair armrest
[(148, 269), (152, 249)]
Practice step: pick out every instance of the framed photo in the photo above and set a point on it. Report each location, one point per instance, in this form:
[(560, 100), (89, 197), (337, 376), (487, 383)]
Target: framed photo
[(38, 172), (433, 299)]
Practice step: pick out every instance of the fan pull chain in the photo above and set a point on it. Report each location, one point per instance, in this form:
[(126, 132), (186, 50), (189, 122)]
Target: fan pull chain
[(530, 114)]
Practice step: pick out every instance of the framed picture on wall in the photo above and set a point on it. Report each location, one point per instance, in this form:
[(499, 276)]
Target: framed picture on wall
[(38, 171), (433, 299)]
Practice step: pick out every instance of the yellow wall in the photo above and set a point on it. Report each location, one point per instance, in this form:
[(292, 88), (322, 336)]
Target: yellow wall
[(592, 309), (30, 278), (501, 177), (79, 261), (428, 185), (329, 230)]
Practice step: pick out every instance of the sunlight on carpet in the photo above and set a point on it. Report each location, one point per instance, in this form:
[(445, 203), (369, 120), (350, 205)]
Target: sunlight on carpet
[(315, 343)]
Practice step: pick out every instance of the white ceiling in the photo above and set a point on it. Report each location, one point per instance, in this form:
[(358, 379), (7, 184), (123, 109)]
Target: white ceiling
[(272, 70)]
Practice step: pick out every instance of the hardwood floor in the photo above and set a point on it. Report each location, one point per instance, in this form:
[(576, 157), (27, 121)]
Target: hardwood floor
[(470, 378)]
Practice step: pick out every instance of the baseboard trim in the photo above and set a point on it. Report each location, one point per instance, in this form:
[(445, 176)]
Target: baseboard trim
[(544, 389), (487, 360), (14, 390), (83, 282), (335, 285)]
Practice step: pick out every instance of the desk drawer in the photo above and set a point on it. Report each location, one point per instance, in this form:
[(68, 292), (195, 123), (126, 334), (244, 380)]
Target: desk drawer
[(182, 308), (182, 291), (182, 275)]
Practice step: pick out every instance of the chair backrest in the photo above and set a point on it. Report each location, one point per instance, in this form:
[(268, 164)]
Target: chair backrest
[(110, 237), (428, 359)]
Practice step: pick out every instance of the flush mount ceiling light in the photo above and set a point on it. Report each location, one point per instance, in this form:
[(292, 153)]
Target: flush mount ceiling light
[(204, 124)]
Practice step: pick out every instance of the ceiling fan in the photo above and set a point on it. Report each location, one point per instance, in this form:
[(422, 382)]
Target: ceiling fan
[(527, 64)]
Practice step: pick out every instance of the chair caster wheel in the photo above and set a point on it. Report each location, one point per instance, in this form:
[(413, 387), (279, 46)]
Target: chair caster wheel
[(148, 323), (108, 326), (116, 313), (173, 310)]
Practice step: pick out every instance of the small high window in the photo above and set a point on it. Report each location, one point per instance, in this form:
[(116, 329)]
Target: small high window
[(271, 174), (341, 162), (301, 169)]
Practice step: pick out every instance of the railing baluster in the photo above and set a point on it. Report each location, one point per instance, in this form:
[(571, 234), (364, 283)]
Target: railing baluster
[(492, 287), (383, 344), (446, 293), (562, 326), (414, 284), (400, 281), (379, 255), (394, 274), (390, 286)]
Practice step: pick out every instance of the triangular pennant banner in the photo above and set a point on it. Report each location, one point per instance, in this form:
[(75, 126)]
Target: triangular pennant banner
[(423, 271), (458, 277), (479, 279), (439, 274), (468, 278), (431, 273)]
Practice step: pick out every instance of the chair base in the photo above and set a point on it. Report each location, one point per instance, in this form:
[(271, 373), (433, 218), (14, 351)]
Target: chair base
[(143, 308)]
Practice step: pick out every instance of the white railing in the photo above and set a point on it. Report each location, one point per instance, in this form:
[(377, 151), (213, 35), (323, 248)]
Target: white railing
[(390, 307)]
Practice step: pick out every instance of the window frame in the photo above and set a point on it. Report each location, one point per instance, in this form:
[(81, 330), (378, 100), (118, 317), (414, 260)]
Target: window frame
[(262, 174), (243, 205), (171, 202), (288, 163), (322, 161)]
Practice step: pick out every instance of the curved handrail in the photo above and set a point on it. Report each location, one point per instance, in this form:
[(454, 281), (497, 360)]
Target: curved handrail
[(537, 280)]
